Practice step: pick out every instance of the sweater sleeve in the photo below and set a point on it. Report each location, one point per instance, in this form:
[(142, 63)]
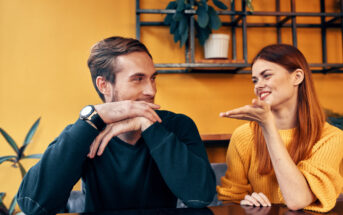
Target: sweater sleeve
[(46, 187), (235, 185), (322, 172), (182, 160)]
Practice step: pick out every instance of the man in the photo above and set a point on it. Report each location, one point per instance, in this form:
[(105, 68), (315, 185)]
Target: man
[(128, 154)]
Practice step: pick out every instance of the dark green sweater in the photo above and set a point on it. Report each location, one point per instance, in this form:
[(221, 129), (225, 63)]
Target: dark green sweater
[(167, 163)]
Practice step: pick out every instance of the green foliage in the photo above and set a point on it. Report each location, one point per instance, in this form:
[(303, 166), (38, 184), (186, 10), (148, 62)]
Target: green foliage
[(15, 159), (206, 19), (334, 119)]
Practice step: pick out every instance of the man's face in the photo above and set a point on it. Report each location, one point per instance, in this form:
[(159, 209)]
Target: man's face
[(135, 79)]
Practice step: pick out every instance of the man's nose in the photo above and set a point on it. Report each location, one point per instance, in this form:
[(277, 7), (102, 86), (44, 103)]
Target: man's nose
[(150, 89)]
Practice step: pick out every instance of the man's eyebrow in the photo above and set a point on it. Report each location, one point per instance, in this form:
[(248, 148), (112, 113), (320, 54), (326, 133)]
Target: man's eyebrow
[(141, 74)]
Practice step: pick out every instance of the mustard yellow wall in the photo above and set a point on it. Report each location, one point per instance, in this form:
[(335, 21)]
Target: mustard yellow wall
[(44, 45)]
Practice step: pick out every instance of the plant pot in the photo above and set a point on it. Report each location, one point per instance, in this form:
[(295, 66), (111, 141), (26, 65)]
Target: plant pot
[(217, 46)]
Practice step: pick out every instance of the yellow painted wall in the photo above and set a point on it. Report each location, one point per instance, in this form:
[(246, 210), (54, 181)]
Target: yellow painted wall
[(44, 46)]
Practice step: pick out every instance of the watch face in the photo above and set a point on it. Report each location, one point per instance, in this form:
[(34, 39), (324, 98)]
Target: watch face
[(86, 111)]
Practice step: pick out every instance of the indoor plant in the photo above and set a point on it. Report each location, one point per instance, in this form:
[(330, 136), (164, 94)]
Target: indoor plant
[(15, 159), (206, 20)]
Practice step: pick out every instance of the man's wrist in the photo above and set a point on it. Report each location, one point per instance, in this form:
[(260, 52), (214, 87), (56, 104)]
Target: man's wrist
[(145, 123)]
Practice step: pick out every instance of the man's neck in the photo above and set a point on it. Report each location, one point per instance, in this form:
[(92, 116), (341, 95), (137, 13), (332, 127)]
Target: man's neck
[(130, 137)]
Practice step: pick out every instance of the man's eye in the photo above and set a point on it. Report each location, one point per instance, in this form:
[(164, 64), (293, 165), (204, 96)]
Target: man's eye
[(153, 78), (138, 79)]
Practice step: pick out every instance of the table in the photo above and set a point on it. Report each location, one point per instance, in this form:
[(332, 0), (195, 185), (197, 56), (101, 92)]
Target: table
[(225, 209)]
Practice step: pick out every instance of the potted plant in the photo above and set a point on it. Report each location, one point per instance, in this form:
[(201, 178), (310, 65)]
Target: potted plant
[(15, 160), (206, 20)]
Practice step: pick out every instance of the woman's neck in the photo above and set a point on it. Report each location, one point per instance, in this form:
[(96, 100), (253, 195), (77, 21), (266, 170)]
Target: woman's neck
[(286, 116)]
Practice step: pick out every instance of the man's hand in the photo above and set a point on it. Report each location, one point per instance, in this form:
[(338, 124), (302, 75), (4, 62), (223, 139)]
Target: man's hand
[(256, 199), (117, 111), (114, 129)]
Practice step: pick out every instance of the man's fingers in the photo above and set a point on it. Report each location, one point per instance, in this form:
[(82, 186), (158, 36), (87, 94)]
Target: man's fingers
[(95, 145)]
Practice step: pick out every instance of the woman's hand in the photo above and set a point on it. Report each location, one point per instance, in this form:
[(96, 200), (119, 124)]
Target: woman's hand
[(256, 199), (258, 111)]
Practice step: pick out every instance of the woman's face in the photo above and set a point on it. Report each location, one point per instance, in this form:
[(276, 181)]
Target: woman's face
[(274, 84)]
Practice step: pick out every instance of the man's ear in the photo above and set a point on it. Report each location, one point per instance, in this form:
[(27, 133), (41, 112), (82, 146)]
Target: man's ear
[(104, 86), (298, 76)]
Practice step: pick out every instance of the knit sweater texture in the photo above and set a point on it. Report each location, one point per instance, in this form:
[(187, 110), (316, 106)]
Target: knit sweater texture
[(168, 162), (323, 169)]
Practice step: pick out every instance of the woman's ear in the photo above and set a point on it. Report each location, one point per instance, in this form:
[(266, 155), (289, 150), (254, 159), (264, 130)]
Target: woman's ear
[(104, 86), (298, 76)]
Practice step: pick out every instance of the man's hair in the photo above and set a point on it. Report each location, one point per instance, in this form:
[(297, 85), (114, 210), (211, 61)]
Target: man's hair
[(102, 59)]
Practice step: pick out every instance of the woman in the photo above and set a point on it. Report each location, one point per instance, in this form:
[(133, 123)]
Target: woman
[(287, 153)]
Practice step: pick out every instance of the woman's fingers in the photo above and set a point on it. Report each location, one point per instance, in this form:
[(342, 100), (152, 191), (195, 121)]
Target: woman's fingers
[(252, 200), (265, 199), (256, 199), (260, 199)]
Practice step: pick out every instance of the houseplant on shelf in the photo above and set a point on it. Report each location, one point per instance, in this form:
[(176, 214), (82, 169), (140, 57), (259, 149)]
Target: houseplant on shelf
[(206, 20), (15, 159)]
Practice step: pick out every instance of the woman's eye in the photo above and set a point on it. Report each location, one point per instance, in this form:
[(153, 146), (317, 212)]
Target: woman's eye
[(254, 81), (266, 75)]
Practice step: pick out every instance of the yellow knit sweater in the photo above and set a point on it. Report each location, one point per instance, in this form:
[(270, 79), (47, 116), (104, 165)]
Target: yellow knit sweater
[(323, 170)]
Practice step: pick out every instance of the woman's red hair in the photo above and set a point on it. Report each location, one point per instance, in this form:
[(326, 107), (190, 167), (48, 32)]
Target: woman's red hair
[(310, 116)]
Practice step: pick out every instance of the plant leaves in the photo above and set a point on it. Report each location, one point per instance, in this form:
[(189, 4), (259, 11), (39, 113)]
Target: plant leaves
[(9, 139), (33, 156), (12, 205), (171, 5), (249, 5), (31, 132), (177, 16), (219, 4), (215, 22), (184, 37), (202, 17), (202, 33), (182, 25), (6, 158), (173, 26), (176, 36), (22, 170), (180, 5), (168, 19)]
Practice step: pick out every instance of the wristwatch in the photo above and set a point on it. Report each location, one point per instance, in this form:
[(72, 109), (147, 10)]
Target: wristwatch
[(90, 115)]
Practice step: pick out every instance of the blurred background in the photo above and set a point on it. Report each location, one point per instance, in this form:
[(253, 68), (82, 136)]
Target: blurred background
[(44, 46)]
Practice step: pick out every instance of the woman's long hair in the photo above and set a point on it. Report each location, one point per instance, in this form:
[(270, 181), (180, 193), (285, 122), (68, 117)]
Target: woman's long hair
[(310, 116)]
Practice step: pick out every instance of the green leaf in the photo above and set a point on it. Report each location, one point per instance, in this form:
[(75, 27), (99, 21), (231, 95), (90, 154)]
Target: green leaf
[(6, 158), (12, 205), (9, 139), (176, 36), (219, 4), (184, 37), (33, 156), (215, 22), (202, 33), (202, 16), (168, 19), (177, 16), (171, 5), (22, 170), (31, 132), (2, 195), (180, 5), (173, 27), (182, 25)]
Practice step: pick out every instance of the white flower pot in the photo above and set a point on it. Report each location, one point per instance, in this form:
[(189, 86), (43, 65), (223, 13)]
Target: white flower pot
[(217, 46)]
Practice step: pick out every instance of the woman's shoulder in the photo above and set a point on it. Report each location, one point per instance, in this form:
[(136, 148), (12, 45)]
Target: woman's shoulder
[(331, 137), (330, 131), (243, 133)]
